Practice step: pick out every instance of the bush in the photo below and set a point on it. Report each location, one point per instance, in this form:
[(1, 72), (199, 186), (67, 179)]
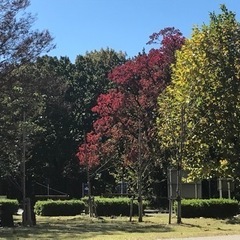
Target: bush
[(9, 205), (59, 207), (212, 208), (7, 208), (114, 206)]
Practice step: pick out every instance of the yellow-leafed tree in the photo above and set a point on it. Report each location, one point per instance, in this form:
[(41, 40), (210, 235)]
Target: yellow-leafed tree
[(199, 113)]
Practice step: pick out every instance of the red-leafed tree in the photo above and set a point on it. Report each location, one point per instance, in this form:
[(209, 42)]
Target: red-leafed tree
[(88, 151), (127, 113), (88, 157)]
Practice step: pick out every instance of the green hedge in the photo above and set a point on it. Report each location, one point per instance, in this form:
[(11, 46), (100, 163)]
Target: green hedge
[(7, 208), (59, 207), (212, 208), (9, 205), (114, 206)]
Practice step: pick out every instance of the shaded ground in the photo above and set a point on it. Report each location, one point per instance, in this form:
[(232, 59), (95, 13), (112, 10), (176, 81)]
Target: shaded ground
[(154, 227), (79, 228)]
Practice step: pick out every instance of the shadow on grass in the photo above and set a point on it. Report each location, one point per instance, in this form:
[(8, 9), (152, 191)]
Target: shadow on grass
[(233, 220), (191, 225), (81, 228)]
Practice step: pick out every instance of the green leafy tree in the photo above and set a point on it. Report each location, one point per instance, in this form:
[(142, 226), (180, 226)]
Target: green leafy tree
[(89, 81), (53, 147), (56, 129), (19, 42), (19, 45), (66, 87)]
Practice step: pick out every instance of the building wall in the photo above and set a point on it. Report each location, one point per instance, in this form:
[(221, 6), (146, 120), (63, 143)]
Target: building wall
[(188, 190)]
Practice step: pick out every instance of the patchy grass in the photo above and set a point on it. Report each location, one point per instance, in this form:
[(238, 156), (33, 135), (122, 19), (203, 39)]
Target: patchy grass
[(154, 227)]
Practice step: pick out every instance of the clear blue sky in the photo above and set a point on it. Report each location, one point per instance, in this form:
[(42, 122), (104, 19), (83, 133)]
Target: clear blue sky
[(79, 26)]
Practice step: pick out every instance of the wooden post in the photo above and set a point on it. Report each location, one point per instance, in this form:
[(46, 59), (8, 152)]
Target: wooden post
[(196, 189), (209, 188), (229, 189), (220, 187)]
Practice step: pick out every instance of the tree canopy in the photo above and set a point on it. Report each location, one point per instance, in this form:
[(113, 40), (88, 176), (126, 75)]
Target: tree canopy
[(125, 126), (19, 42), (19, 45), (202, 103)]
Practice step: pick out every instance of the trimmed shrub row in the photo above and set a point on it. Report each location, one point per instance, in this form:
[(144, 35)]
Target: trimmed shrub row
[(115, 206), (211, 208), (7, 208), (9, 205), (59, 207), (103, 206)]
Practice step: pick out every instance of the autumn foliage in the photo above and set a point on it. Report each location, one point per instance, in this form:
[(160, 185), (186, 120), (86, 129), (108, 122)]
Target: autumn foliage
[(205, 83), (130, 107), (88, 151)]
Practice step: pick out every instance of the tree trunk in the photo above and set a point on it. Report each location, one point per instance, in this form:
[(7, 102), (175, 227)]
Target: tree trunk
[(131, 209), (90, 203), (140, 202)]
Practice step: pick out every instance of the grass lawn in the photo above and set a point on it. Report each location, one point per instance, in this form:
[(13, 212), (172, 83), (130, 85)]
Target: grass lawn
[(155, 226)]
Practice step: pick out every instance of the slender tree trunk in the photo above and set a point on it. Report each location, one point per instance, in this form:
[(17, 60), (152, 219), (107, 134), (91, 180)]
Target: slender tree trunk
[(179, 169), (24, 215), (179, 195), (90, 203), (170, 195), (140, 203), (131, 209)]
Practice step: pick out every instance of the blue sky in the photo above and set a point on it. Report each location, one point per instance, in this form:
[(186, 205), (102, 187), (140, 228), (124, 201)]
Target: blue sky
[(79, 26)]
